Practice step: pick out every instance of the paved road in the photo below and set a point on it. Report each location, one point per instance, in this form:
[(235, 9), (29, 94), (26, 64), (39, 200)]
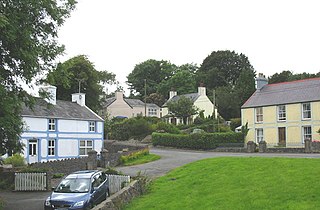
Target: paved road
[(173, 158), (170, 159)]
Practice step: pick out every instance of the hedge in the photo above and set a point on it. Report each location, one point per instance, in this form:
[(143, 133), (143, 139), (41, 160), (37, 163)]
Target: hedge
[(202, 141)]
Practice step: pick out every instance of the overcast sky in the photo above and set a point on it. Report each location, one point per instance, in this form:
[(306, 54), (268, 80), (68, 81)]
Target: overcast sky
[(116, 35)]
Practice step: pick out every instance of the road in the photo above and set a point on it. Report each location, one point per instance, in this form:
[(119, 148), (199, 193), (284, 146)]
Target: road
[(170, 159)]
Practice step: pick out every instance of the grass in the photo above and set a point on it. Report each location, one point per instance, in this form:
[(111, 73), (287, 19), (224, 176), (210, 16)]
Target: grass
[(237, 183), (141, 159), (1, 204)]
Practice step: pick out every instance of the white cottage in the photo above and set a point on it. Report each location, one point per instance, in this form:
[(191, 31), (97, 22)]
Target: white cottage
[(57, 129), (199, 99)]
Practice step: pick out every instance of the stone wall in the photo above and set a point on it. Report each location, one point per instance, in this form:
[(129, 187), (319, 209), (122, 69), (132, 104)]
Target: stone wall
[(121, 198), (117, 146)]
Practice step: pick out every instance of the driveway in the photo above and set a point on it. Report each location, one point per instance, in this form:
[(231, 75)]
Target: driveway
[(170, 159)]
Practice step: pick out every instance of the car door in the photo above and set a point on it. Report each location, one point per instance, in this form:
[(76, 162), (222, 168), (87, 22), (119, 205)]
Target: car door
[(97, 193)]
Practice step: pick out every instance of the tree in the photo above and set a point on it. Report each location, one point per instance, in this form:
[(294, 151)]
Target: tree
[(183, 81), (182, 108), (67, 76), (232, 77), (156, 98), (222, 68), (286, 76), (28, 46), (154, 72)]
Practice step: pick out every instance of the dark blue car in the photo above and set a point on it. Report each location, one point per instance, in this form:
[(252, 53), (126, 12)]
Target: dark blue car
[(79, 190)]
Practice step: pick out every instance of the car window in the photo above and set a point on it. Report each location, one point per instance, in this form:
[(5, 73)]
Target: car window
[(73, 185), (96, 181)]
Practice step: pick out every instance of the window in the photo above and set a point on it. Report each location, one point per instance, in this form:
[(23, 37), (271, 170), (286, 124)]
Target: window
[(306, 133), (51, 147), (152, 112), (259, 135), (306, 111), (259, 114), (52, 124), (282, 116), (92, 126), (85, 146)]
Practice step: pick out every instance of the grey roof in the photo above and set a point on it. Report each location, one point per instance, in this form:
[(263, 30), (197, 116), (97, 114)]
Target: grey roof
[(285, 93), (192, 96), (130, 102), (62, 110)]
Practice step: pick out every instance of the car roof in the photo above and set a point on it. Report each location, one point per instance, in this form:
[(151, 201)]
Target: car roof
[(82, 174)]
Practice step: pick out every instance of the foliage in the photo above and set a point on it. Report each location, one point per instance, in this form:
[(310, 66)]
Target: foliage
[(128, 128), (66, 77), (182, 108), (139, 157), (244, 130), (259, 183), (156, 98), (286, 76), (235, 122), (58, 175), (165, 127), (110, 170), (153, 71), (16, 160), (2, 201), (28, 46), (232, 76), (203, 141)]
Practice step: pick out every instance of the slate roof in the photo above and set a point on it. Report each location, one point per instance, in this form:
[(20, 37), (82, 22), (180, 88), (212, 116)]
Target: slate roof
[(192, 96), (299, 91), (130, 102), (62, 110)]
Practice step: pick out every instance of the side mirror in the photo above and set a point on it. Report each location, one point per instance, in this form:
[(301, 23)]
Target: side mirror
[(53, 188)]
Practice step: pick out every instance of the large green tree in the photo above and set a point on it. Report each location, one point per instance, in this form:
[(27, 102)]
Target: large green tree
[(182, 108), (28, 46), (232, 76), (148, 75), (79, 70), (286, 76)]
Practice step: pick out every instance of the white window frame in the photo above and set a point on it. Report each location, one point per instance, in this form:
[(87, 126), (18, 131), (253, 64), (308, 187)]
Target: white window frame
[(306, 111), (282, 113), (52, 124), (152, 112), (306, 133), (92, 126), (259, 114), (85, 146), (259, 135), (51, 147)]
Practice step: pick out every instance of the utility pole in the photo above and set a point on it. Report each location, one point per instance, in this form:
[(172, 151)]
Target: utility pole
[(145, 97), (80, 80)]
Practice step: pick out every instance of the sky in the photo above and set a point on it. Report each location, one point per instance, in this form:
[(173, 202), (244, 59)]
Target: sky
[(116, 35)]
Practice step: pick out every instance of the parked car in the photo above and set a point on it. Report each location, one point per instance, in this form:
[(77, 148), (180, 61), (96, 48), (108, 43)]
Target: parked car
[(79, 190)]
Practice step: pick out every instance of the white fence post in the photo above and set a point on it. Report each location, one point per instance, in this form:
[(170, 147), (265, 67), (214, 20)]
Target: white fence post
[(30, 182)]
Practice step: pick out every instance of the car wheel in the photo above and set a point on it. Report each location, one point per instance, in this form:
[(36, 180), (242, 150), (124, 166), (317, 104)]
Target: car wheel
[(107, 194), (89, 206)]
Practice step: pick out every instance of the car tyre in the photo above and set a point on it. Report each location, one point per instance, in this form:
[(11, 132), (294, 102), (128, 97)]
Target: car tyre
[(90, 205)]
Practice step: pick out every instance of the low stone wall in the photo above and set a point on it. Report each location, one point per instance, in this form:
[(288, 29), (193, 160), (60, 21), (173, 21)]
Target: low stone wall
[(285, 150), (121, 198), (116, 146), (230, 149)]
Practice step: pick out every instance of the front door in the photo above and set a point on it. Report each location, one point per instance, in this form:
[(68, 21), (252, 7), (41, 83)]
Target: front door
[(282, 136), (33, 151)]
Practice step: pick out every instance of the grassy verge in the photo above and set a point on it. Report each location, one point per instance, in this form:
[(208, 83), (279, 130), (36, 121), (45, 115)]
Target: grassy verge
[(1, 204), (237, 183), (140, 157)]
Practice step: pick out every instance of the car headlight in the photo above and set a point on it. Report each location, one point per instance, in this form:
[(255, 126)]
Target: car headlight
[(47, 203), (79, 203)]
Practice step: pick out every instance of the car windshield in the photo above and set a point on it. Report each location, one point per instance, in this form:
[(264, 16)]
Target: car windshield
[(75, 185)]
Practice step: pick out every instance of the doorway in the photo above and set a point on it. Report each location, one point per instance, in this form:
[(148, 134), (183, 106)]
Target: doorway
[(282, 136), (33, 150)]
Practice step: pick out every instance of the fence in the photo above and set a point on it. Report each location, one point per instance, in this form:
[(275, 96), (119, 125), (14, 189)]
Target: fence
[(30, 182), (117, 182)]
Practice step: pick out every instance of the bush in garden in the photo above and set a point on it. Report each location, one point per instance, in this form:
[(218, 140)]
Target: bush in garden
[(166, 127), (16, 160)]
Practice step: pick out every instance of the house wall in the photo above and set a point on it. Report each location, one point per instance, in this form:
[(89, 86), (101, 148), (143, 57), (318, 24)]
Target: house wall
[(293, 124), (67, 138), (120, 108), (203, 103)]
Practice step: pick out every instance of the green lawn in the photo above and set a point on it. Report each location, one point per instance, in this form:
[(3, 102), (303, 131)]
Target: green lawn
[(141, 159), (237, 183)]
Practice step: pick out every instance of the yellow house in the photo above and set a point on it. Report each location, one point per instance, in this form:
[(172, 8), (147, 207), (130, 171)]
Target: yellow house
[(283, 114)]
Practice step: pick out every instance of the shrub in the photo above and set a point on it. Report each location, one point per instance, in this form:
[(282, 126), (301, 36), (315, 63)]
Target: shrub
[(235, 122), (110, 170), (197, 140), (16, 160), (166, 127)]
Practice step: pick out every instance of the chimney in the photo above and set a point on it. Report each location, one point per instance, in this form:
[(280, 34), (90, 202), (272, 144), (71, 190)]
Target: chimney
[(261, 81), (119, 95), (80, 98), (52, 94), (201, 90), (172, 93)]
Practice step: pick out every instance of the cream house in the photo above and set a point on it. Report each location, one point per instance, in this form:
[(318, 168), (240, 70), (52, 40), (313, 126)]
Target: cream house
[(283, 114), (200, 100), (119, 106)]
